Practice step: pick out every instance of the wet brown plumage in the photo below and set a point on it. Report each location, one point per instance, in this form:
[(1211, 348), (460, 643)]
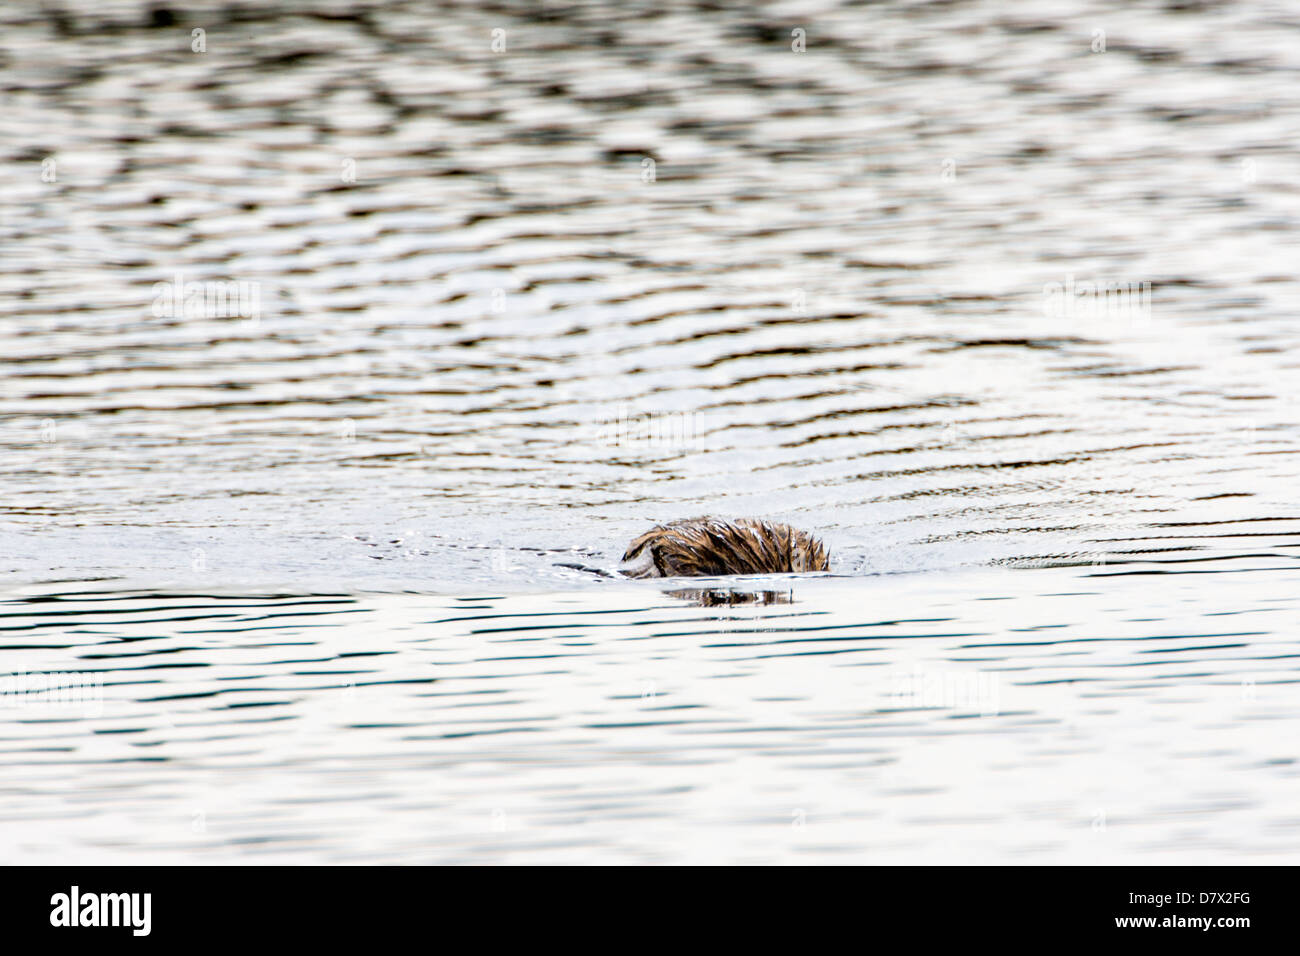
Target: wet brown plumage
[(696, 547)]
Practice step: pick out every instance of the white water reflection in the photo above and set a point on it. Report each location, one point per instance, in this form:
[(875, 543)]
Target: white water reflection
[(909, 719), (1002, 309)]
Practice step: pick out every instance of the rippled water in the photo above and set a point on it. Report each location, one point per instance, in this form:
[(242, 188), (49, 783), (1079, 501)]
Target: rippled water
[(309, 551)]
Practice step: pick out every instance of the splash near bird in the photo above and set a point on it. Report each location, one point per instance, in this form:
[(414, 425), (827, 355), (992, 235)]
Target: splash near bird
[(699, 547)]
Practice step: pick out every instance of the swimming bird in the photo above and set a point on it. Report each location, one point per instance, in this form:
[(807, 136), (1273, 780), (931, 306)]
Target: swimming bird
[(696, 547)]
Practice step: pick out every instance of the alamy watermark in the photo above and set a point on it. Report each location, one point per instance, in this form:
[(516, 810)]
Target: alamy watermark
[(77, 908), (1103, 300), (74, 690), (669, 430), (209, 299), (954, 690)]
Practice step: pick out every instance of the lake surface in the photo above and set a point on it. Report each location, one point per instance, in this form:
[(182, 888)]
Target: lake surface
[(339, 356)]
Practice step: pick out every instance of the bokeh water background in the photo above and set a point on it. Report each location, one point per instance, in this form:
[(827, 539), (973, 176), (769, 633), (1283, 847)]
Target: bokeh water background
[(501, 301)]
